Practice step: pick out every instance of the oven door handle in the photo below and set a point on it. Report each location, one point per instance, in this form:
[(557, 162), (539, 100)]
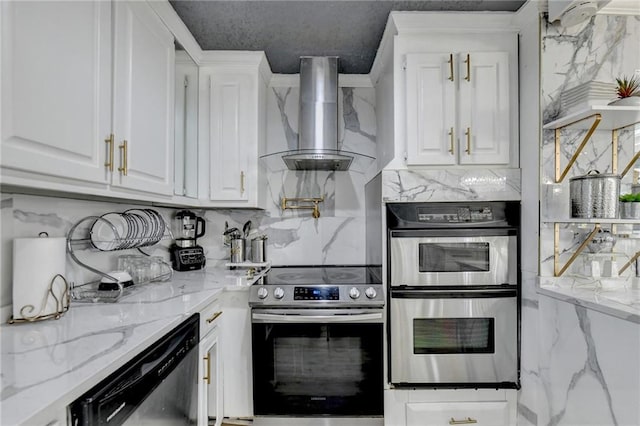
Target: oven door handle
[(403, 293), (338, 318)]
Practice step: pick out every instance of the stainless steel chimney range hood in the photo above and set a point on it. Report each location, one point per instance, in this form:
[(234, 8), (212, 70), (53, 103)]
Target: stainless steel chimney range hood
[(318, 121), (318, 117)]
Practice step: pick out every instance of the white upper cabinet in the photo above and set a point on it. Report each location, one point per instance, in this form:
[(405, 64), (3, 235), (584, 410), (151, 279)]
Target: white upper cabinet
[(67, 89), (232, 125), (458, 108), (143, 99), (56, 89), (449, 81), (232, 137)]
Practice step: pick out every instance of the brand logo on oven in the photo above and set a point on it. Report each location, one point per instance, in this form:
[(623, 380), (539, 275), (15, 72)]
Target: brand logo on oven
[(318, 398)]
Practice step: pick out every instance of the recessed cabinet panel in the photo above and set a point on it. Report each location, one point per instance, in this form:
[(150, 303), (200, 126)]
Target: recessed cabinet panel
[(484, 108), (477, 413), (230, 131), (56, 88), (430, 109), (143, 99)]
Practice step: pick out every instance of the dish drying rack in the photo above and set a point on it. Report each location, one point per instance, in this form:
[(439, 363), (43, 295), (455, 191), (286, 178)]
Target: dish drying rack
[(113, 238)]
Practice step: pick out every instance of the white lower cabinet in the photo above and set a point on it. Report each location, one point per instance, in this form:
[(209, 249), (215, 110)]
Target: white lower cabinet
[(457, 413), (442, 407), (236, 355), (210, 367)]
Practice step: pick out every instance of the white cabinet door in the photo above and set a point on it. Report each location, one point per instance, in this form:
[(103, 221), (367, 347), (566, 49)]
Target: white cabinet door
[(236, 355), (56, 88), (458, 108), (232, 138), (431, 109), (484, 108), (484, 413), (210, 380), (143, 99)]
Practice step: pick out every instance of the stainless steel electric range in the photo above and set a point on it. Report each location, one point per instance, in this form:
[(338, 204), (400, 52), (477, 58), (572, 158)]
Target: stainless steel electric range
[(317, 336)]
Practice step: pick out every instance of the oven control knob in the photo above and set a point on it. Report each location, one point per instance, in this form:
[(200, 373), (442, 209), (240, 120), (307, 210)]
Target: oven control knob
[(263, 293), (354, 293), (371, 293), (278, 293)]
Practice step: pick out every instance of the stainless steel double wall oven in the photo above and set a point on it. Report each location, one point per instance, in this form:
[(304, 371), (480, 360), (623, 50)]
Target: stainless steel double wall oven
[(454, 286)]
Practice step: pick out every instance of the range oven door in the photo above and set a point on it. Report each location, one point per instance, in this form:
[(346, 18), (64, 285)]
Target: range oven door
[(454, 338), (309, 362), (453, 257)]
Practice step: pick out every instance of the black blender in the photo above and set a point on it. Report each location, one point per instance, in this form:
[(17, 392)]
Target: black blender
[(186, 255)]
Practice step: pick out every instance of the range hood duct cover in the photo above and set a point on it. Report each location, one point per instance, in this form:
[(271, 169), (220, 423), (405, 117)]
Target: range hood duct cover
[(318, 118)]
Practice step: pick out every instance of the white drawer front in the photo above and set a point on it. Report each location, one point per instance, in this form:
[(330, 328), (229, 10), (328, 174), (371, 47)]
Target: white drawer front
[(210, 317), (458, 413)]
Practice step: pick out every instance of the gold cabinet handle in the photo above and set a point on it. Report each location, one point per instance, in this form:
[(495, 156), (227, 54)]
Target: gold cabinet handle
[(451, 141), (109, 163), (241, 182), (123, 158), (467, 421), (468, 135), (207, 369), (214, 317), (468, 62), (450, 61)]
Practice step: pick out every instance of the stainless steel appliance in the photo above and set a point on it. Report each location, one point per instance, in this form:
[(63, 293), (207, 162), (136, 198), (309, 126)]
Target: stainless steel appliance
[(157, 387), (454, 283), (185, 254), (317, 336)]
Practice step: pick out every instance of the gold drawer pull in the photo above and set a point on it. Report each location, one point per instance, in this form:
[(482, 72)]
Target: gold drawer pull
[(450, 61), (467, 421), (123, 158), (109, 163), (468, 62), (207, 369), (468, 135), (213, 317), (451, 141), (241, 183)]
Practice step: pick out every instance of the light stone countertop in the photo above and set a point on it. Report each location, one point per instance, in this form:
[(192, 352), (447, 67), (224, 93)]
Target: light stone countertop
[(619, 298), (53, 362)]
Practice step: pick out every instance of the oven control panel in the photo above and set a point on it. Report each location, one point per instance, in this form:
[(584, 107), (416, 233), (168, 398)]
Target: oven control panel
[(316, 293), (310, 295)]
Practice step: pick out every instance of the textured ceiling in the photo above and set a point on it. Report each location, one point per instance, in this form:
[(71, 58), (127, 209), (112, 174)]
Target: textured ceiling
[(286, 30)]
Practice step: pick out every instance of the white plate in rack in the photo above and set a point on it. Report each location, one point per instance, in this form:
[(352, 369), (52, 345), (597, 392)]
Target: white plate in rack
[(108, 232)]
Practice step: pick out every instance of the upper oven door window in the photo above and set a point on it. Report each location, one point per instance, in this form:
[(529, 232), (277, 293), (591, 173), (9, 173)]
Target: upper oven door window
[(423, 260), (453, 257)]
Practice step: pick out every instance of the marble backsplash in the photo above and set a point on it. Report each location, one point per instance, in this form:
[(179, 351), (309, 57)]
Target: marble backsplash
[(294, 237)]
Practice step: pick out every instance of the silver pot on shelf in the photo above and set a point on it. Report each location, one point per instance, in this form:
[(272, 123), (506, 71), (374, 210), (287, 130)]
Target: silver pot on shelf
[(595, 195)]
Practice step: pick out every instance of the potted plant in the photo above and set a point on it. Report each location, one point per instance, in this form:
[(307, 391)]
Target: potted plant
[(627, 90), (630, 206)]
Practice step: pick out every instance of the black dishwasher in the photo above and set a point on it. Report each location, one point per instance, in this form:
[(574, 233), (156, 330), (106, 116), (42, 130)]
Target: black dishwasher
[(159, 386)]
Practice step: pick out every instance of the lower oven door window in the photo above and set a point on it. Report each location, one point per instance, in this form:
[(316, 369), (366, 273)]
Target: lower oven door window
[(317, 369), (458, 341)]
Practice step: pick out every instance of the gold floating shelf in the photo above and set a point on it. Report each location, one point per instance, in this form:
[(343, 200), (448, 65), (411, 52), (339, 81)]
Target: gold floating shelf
[(316, 212)]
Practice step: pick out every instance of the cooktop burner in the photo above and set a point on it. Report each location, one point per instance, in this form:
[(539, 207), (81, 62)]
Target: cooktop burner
[(326, 286)]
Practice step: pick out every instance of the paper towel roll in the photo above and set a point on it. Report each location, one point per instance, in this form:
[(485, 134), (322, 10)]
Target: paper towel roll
[(36, 261)]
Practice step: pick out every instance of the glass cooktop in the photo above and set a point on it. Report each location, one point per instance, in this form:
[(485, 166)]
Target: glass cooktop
[(318, 275)]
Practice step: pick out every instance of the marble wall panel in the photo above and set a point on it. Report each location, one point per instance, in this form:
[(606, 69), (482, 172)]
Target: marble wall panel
[(450, 185), (588, 375)]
